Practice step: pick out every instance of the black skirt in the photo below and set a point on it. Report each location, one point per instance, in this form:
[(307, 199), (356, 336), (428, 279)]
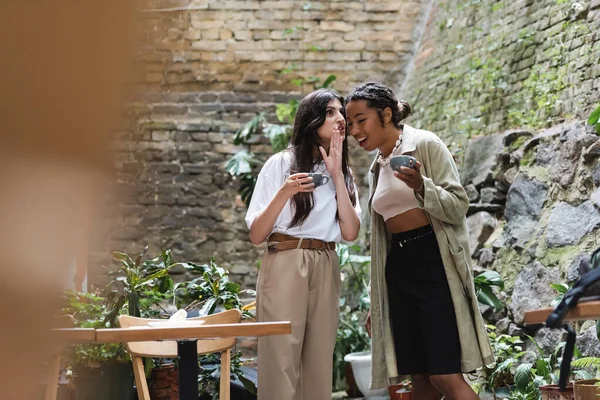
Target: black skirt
[(421, 310)]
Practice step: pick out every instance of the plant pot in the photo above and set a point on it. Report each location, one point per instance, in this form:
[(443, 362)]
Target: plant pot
[(352, 389), (361, 368), (108, 382), (551, 392), (399, 392), (587, 389), (164, 383)]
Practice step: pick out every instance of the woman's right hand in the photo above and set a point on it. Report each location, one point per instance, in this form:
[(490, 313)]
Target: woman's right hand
[(295, 183), (368, 323)]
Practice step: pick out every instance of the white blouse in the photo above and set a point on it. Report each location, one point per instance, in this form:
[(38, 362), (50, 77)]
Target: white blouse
[(320, 223)]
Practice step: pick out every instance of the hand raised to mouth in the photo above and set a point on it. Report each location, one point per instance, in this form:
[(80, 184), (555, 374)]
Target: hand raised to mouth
[(333, 158)]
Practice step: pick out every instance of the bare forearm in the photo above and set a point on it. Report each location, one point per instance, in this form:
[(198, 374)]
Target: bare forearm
[(264, 222), (348, 218)]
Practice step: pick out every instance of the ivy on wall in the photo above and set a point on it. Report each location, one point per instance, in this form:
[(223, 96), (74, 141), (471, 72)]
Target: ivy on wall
[(499, 65)]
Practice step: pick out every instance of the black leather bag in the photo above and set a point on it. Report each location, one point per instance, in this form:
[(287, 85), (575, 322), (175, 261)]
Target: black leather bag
[(587, 288)]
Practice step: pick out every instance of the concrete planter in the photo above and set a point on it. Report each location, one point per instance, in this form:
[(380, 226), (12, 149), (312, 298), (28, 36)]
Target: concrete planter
[(361, 368)]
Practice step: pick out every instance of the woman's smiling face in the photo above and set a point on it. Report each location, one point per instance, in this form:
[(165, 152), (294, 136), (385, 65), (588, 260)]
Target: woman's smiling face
[(365, 125)]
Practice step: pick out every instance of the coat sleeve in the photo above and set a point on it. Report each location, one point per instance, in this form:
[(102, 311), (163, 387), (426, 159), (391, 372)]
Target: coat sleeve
[(444, 197)]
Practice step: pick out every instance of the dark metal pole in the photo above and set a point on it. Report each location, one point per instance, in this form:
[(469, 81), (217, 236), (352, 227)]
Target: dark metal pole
[(187, 352)]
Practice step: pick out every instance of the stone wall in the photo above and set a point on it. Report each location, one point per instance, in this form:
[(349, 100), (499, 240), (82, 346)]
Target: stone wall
[(488, 66), (531, 217), (210, 66)]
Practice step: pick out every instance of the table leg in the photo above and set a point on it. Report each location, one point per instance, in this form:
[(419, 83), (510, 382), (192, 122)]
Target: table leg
[(187, 352)]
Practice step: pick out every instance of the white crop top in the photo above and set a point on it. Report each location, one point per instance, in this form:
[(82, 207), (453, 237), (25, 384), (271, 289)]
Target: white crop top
[(392, 196)]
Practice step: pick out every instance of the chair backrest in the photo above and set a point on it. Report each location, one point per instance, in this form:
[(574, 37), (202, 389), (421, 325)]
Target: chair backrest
[(169, 348)]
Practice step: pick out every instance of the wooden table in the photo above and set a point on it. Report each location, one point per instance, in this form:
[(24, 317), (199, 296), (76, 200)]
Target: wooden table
[(145, 334), (581, 312), (74, 335), (186, 337)]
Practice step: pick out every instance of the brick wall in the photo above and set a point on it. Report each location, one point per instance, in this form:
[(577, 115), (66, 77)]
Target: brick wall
[(208, 67), (487, 66)]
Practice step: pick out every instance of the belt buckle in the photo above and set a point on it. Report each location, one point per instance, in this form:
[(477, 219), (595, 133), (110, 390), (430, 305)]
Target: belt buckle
[(310, 243)]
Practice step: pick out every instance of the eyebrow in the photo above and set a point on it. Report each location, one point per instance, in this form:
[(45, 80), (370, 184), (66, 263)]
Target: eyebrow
[(357, 115)]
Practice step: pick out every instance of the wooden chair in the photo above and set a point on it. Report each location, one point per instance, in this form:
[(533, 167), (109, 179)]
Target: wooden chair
[(137, 350), (53, 367)]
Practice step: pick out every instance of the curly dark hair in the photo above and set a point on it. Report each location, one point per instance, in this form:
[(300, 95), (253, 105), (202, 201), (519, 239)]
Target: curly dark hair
[(312, 112), (379, 96)]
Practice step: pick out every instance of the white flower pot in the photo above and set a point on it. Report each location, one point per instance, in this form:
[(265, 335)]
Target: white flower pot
[(361, 368)]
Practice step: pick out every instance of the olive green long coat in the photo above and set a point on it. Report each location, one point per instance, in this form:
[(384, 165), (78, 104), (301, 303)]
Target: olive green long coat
[(446, 203)]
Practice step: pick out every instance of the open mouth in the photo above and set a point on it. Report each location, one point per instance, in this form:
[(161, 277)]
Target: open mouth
[(362, 142)]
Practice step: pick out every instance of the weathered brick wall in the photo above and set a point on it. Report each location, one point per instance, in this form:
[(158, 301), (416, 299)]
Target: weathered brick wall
[(488, 66), (210, 66), (245, 45)]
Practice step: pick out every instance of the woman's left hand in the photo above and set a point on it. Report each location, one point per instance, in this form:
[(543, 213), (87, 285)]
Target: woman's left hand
[(411, 176), (333, 160)]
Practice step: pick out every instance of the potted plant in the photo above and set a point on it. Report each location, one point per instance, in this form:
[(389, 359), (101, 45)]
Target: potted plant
[(138, 289), (213, 292), (539, 379), (351, 336), (98, 371), (587, 388), (144, 288)]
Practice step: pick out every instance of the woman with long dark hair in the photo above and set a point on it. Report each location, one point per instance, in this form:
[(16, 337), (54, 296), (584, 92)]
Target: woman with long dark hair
[(424, 318), (302, 217)]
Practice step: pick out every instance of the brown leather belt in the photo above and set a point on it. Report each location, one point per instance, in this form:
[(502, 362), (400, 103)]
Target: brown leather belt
[(287, 242)]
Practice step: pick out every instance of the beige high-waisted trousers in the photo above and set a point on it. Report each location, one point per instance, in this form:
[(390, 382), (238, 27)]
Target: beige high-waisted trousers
[(301, 286)]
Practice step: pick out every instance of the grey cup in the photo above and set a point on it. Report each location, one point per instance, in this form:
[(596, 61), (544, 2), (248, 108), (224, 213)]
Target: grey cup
[(319, 179), (402, 161)]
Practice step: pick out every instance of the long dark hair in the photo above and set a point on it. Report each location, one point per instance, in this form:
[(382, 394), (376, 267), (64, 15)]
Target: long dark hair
[(311, 115), (378, 96)]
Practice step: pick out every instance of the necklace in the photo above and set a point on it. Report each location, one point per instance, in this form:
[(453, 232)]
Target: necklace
[(383, 161)]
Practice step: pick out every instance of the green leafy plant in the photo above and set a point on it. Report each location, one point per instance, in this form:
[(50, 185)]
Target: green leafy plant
[(91, 310), (210, 373), (594, 120), (544, 370), (508, 351), (561, 288), (484, 284), (141, 288), (211, 290), (587, 363), (354, 304), (145, 281)]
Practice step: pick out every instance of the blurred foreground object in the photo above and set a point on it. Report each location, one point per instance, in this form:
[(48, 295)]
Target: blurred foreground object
[(64, 64)]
